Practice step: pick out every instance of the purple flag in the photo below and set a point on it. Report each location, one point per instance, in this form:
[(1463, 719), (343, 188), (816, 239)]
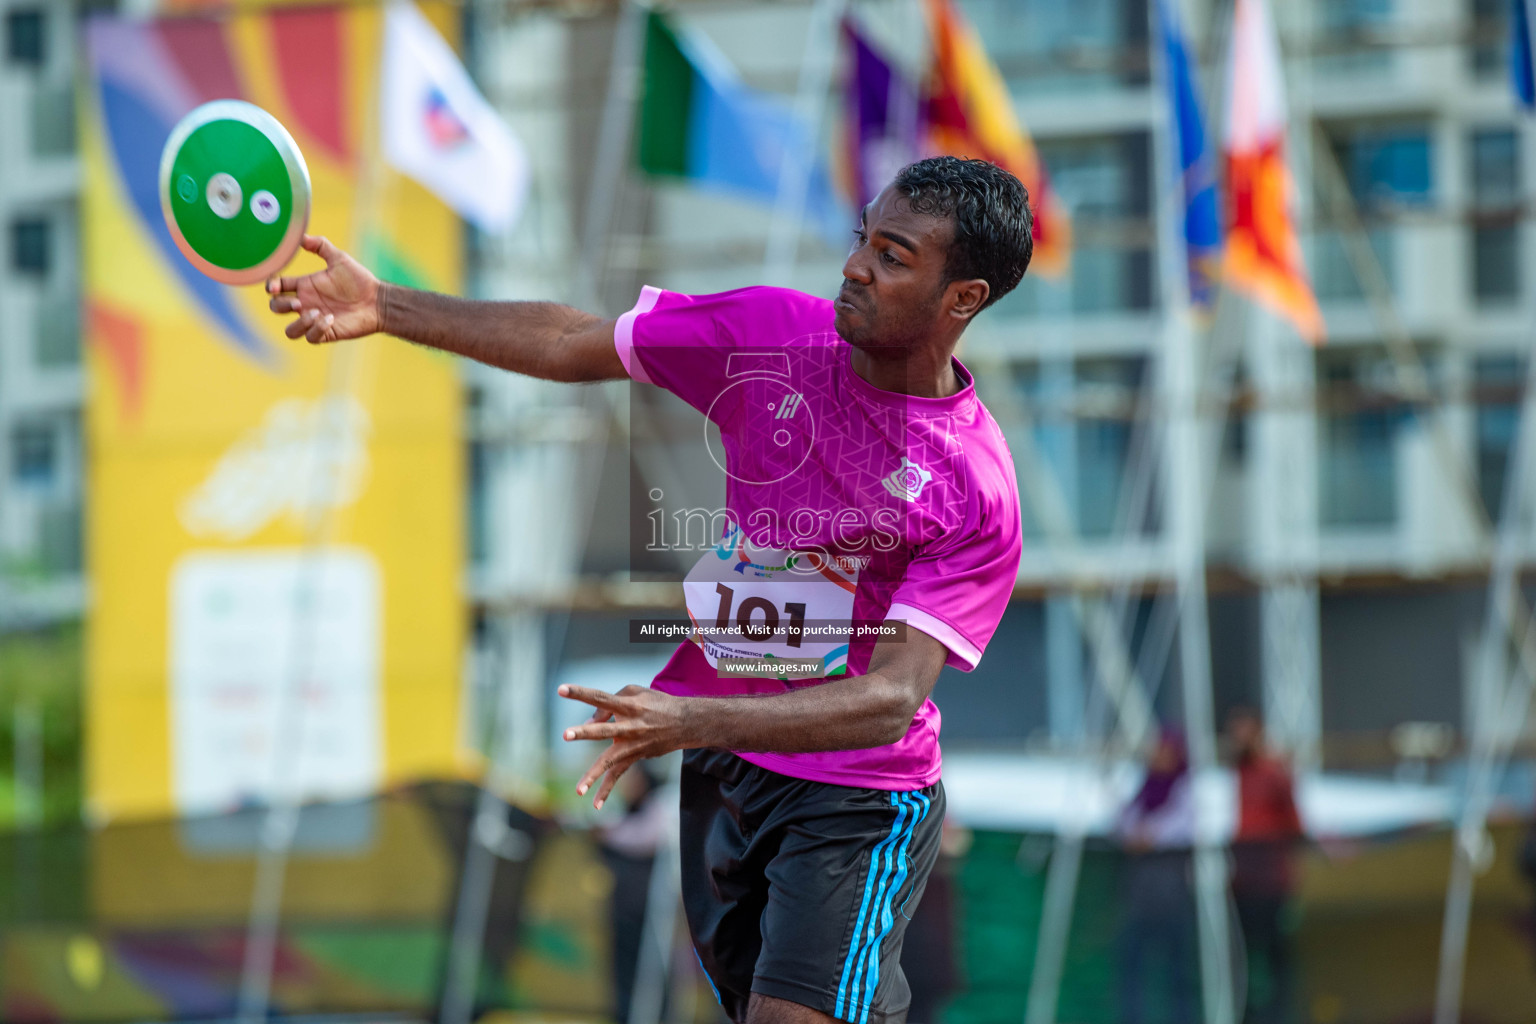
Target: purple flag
[(882, 123)]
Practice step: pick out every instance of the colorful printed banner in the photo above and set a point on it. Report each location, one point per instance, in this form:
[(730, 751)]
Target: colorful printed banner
[(275, 530)]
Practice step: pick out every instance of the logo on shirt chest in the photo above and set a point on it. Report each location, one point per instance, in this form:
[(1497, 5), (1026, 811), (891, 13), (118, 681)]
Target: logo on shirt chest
[(908, 481)]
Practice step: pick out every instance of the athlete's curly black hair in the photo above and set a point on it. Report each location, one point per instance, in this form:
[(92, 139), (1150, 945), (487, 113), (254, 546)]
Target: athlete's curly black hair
[(990, 209)]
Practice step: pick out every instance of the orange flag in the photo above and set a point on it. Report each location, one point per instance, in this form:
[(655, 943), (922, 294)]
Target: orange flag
[(970, 114), (1263, 254)]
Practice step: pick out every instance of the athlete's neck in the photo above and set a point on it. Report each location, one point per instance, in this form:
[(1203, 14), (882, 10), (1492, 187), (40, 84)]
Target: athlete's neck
[(919, 374)]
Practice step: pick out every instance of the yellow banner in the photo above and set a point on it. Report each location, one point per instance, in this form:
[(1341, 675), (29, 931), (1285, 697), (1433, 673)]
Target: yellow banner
[(275, 531)]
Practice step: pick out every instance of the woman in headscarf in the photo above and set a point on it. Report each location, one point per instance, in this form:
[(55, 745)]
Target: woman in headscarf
[(1157, 831)]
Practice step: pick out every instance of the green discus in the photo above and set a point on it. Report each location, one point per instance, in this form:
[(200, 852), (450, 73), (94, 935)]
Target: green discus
[(234, 190)]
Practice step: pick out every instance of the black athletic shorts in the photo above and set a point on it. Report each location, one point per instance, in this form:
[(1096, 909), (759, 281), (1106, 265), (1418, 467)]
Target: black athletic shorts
[(803, 890)]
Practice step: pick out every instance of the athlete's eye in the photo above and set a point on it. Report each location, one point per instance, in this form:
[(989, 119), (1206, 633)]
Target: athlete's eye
[(858, 236), (890, 258)]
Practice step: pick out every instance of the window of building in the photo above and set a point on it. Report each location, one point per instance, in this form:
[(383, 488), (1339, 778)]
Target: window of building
[(1348, 34), (1498, 382), (56, 334), (1489, 53), (60, 536), (1388, 169), (32, 454), (1085, 417), (30, 246), (479, 464), (1361, 410), (1104, 184), (1109, 394), (24, 39), (1495, 167), (1047, 47), (53, 119), (478, 506), (1495, 216)]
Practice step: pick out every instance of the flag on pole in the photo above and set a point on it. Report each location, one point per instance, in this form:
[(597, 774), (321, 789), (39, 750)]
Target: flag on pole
[(1202, 223), (1263, 254), (883, 121), (697, 121), (970, 114), (1521, 70), (437, 128)]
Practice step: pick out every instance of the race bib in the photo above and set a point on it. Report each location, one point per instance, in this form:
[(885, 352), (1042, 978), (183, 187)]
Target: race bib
[(767, 604)]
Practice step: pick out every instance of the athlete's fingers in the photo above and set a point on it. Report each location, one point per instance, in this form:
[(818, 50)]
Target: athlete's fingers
[(284, 304), (284, 284), (597, 698), (320, 330), (595, 772), (322, 247), (608, 782), (599, 730), (608, 767), (302, 323)]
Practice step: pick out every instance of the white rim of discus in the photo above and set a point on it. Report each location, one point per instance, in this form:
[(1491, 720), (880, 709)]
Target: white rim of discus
[(298, 178)]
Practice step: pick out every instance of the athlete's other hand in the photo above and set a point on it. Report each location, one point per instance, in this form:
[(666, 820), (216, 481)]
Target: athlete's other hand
[(640, 721), (339, 302)]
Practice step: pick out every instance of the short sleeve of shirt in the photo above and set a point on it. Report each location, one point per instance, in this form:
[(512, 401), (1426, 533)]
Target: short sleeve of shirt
[(693, 345), (957, 588)]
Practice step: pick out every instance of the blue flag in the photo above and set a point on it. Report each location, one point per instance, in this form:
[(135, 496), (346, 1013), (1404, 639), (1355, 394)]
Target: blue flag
[(1520, 71), (1202, 221)]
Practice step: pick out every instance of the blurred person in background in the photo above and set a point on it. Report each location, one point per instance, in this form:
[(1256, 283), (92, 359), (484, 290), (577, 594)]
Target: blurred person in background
[(1263, 866), (1526, 862), (629, 849), (1156, 830)]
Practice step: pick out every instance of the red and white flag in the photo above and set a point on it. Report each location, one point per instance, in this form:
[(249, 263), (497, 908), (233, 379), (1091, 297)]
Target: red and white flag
[(1263, 254)]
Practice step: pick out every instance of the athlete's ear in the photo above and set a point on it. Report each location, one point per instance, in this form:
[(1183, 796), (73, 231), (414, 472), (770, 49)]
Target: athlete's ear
[(967, 297)]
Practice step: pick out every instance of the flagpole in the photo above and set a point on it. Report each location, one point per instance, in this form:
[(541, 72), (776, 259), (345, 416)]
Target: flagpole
[(1064, 634), (1472, 848), (613, 139), (782, 250), (1186, 520)]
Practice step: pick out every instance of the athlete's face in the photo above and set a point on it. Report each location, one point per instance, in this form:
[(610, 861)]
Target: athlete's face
[(894, 293)]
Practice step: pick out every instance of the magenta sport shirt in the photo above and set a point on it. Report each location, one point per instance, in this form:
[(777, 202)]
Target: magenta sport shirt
[(845, 504)]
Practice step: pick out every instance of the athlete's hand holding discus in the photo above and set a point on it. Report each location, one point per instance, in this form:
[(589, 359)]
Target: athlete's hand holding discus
[(339, 302)]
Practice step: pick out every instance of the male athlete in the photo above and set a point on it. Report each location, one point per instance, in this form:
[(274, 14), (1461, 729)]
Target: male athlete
[(866, 484)]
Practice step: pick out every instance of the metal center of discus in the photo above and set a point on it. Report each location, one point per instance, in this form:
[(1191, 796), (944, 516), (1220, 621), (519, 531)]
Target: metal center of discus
[(265, 207), (224, 195)]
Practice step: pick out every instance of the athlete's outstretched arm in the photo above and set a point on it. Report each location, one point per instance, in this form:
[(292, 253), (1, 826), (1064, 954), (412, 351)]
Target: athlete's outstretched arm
[(540, 339), (848, 713)]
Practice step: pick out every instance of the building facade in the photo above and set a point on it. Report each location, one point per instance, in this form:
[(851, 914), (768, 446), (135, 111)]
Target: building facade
[(40, 381)]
